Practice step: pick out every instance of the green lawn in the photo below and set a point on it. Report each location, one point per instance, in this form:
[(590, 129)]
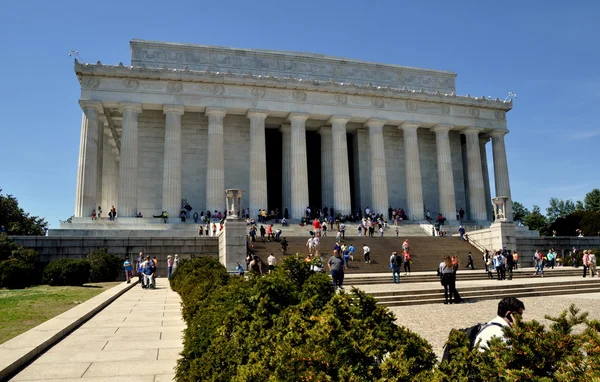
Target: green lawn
[(23, 309)]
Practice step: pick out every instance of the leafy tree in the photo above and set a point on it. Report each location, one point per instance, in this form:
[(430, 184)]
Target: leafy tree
[(519, 213), (17, 221), (559, 208), (579, 206), (592, 200), (536, 221)]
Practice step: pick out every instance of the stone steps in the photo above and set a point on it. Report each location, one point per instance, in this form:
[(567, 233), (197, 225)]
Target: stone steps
[(427, 252), (466, 275), (519, 289)]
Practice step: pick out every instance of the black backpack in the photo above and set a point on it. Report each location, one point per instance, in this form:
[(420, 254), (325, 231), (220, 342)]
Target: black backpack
[(471, 334)]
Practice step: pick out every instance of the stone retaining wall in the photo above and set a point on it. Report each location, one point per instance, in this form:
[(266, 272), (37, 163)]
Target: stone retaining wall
[(52, 248), (526, 246)]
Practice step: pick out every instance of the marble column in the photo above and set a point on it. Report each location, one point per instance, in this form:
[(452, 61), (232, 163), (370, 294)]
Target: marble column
[(100, 163), (110, 175), (489, 207), (379, 188), (79, 190), (477, 206), (326, 166), (87, 183), (286, 147), (362, 169), (258, 161), (129, 161), (299, 165), (215, 174), (444, 170), (172, 166), (341, 170), (501, 170), (412, 163)]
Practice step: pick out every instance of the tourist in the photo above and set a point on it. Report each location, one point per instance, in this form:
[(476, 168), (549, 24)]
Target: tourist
[(309, 244), (397, 232), (499, 265), (380, 231), (407, 260), (114, 213), (510, 263), (395, 264), (277, 234), (592, 263), (461, 232), (507, 308), (239, 270), (169, 267), (263, 232), (351, 251), (284, 222), (195, 216), (461, 214), (324, 228), (286, 214), (343, 230), (316, 242), (317, 226), (249, 256), (336, 268), (538, 262), (128, 269), (200, 230), (175, 262), (271, 261), (99, 211), (139, 268), (586, 262), (551, 256), (256, 266), (338, 236), (93, 214), (405, 245), (446, 272), (214, 230), (139, 215), (284, 245), (346, 252), (367, 254), (470, 263), (515, 260), (149, 270)]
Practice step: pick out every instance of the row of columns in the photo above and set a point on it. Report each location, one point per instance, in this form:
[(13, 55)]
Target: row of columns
[(335, 167)]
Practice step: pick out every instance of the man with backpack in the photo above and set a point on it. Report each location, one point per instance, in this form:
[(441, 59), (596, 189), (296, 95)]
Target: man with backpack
[(479, 335), (395, 264)]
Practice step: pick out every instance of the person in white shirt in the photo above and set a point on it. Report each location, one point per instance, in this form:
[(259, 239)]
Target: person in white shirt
[(367, 253), (271, 260), (309, 244), (508, 307)]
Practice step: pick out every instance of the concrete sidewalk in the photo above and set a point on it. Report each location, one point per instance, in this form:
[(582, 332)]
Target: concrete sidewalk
[(136, 338)]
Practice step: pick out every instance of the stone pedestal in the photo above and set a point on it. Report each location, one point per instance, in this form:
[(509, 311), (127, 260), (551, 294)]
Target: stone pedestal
[(232, 244), (503, 234)]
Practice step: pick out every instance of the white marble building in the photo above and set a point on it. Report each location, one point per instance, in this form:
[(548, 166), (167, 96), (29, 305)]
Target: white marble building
[(188, 121)]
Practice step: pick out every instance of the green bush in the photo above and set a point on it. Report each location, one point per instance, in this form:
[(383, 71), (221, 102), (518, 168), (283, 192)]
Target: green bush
[(67, 272), (104, 266), (289, 326), (15, 274)]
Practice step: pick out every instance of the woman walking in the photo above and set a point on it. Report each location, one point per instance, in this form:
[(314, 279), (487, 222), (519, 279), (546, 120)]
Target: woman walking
[(169, 267), (407, 261)]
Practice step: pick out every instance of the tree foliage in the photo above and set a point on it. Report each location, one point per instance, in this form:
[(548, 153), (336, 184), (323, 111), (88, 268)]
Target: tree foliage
[(536, 221), (104, 266), (519, 212), (16, 220), (592, 200), (559, 208)]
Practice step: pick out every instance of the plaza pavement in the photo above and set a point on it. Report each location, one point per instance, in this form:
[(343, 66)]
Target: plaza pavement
[(136, 339)]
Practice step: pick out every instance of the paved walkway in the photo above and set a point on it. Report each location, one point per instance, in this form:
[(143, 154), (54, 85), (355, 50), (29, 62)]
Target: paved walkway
[(137, 339)]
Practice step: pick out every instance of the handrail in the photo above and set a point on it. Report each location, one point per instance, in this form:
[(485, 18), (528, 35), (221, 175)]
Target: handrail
[(476, 244)]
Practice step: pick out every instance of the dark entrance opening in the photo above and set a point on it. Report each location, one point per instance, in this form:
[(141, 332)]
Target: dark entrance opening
[(349, 139), (274, 168), (313, 155)]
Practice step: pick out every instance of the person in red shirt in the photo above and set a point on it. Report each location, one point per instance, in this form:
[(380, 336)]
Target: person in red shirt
[(317, 227), (269, 232)]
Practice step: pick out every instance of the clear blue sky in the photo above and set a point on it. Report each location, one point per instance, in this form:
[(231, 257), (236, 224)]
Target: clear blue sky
[(545, 51)]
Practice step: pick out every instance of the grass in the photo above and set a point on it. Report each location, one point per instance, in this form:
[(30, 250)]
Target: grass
[(23, 309)]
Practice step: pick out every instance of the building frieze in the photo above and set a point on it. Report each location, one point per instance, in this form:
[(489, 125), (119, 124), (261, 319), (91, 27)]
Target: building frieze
[(175, 81)]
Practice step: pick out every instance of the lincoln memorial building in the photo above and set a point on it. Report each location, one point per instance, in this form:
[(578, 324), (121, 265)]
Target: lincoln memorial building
[(185, 122)]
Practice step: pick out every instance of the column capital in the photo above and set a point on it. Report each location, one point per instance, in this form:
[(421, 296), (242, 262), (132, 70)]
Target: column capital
[(175, 109), (285, 128), (484, 138), (298, 117), (342, 119), (258, 114), (324, 130), (215, 111), (410, 125), (498, 133), (375, 122), (442, 127), (89, 104), (126, 106), (471, 130)]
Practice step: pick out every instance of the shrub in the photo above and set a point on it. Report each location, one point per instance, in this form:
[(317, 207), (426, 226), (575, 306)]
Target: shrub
[(289, 326), (15, 274), (67, 272), (103, 266)]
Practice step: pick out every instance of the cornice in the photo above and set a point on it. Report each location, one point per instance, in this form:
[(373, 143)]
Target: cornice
[(269, 81)]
